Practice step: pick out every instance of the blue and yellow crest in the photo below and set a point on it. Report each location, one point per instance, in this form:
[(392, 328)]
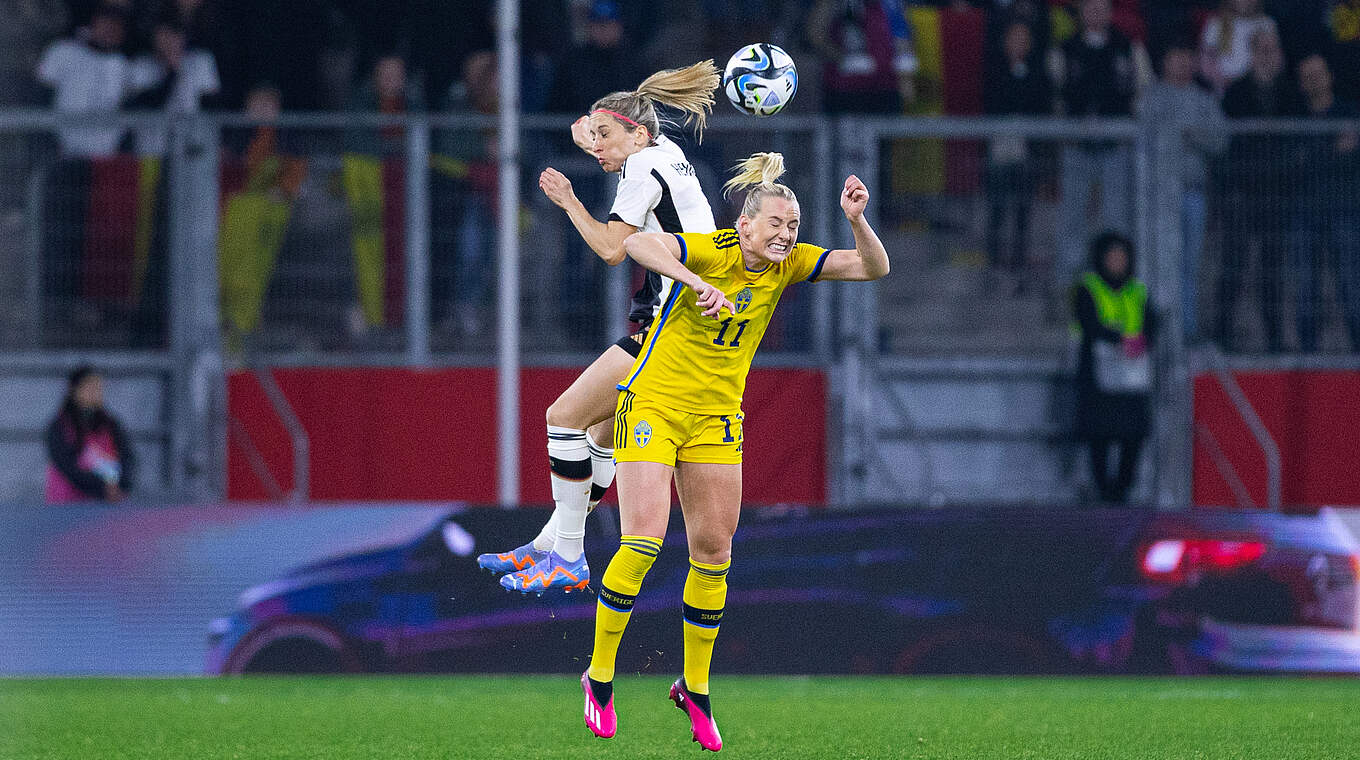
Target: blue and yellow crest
[(642, 433), (743, 300)]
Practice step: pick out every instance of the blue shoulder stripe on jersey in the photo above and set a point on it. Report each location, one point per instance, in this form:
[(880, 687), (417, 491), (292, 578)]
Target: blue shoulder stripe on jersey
[(656, 331), (817, 270), (684, 250)]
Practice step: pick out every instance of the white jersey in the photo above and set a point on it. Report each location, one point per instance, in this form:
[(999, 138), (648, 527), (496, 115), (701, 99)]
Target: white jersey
[(659, 192)]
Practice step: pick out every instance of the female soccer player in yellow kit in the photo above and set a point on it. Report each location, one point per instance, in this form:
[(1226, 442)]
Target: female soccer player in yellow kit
[(679, 413)]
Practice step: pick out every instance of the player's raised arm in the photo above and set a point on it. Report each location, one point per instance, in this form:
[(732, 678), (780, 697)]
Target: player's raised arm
[(661, 253), (869, 259), (604, 238)]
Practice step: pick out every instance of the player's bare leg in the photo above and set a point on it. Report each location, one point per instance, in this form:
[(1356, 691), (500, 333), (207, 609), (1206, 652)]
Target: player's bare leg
[(581, 470)]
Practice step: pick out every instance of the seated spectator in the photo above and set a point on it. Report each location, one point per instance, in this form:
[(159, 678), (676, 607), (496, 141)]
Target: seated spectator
[(1014, 85), (1225, 45), (1254, 191), (1324, 211), (1114, 376), (88, 453), (173, 79), (868, 62), (1192, 128), (89, 74)]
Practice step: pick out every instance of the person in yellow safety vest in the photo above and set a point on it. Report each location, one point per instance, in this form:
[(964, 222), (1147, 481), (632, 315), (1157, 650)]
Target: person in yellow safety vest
[(1114, 373)]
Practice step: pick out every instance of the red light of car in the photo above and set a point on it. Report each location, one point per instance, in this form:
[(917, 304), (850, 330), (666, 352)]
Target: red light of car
[(1172, 559)]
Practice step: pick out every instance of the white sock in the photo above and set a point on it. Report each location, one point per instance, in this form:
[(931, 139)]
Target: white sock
[(601, 471), (548, 536), (569, 456)]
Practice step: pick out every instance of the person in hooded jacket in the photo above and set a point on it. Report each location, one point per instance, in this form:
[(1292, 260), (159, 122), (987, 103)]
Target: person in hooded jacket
[(1114, 374), (89, 455)]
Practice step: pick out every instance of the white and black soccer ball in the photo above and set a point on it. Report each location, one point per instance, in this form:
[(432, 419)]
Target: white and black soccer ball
[(760, 79)]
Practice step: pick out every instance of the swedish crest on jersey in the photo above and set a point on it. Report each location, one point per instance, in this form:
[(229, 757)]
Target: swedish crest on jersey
[(742, 300), (642, 433)]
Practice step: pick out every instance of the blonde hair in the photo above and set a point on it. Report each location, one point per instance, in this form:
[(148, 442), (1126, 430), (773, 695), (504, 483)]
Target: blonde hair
[(759, 173), (689, 90)]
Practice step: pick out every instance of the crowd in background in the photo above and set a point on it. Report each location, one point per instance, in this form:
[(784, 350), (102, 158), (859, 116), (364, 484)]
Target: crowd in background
[(1184, 64), (855, 55)]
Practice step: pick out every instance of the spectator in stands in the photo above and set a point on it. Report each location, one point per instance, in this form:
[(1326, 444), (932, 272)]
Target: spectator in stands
[(387, 90), (868, 62), (1101, 72), (89, 74), (1114, 376), (1225, 44), (1329, 27), (466, 179), (1191, 129), (603, 63), (1001, 14), (89, 456), (1324, 211), (1255, 190), (374, 183), (1014, 85), (173, 79)]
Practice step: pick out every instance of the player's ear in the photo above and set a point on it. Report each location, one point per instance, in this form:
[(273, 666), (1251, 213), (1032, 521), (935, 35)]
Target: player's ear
[(743, 224)]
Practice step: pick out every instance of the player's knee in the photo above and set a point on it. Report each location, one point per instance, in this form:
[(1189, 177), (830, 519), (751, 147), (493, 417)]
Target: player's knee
[(557, 416), (711, 549)]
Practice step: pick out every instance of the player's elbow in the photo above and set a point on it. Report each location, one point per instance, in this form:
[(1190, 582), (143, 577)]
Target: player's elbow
[(614, 256)]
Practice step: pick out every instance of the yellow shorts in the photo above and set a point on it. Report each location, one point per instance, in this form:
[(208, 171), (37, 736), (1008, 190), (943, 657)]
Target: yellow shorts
[(645, 431)]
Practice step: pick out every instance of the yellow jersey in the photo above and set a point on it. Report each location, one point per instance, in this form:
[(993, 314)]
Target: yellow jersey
[(697, 364)]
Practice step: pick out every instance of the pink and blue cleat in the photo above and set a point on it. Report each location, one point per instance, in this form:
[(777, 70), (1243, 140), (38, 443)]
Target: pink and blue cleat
[(601, 720), (512, 561), (700, 713), (551, 573)]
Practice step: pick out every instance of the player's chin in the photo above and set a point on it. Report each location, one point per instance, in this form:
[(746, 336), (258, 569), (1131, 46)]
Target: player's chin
[(775, 255)]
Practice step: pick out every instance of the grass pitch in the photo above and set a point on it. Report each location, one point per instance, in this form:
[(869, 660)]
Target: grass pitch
[(514, 717)]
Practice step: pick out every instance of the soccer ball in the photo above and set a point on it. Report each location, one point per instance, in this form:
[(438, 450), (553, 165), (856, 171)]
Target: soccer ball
[(760, 79)]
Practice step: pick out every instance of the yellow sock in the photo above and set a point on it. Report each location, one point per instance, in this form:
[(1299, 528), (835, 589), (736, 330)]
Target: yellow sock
[(705, 596), (618, 590)]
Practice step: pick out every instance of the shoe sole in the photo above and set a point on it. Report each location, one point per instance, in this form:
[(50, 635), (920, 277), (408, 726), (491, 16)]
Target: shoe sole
[(583, 586)]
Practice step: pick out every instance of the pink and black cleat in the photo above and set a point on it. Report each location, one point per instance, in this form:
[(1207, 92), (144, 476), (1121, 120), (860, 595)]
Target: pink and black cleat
[(601, 720), (700, 713)]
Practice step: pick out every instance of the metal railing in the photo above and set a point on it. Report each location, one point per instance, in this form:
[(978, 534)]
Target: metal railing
[(941, 188), (1270, 450)]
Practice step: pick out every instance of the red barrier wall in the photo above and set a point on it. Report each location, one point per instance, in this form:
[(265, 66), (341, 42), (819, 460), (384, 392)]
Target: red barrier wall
[(1314, 417), (398, 434)]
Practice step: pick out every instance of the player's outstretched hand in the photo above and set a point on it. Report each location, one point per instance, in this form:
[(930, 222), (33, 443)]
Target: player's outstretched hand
[(582, 135), (712, 300), (556, 186), (854, 198)]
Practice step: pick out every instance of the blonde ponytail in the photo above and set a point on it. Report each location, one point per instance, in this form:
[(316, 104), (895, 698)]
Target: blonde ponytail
[(759, 173), (759, 169), (689, 90)]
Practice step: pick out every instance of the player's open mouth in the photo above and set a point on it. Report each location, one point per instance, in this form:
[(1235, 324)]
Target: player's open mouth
[(779, 248)]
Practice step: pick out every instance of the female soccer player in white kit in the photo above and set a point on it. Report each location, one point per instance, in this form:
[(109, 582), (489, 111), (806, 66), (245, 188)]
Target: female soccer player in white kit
[(658, 192)]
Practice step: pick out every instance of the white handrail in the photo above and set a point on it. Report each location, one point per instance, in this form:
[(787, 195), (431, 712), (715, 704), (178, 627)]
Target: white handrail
[(1269, 449), (297, 434)]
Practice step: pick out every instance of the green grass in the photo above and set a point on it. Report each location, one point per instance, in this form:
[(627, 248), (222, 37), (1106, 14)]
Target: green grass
[(514, 718)]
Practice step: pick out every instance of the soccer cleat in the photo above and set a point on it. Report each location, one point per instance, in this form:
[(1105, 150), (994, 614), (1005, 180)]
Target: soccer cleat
[(552, 573), (600, 720), (701, 722), (513, 560)]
